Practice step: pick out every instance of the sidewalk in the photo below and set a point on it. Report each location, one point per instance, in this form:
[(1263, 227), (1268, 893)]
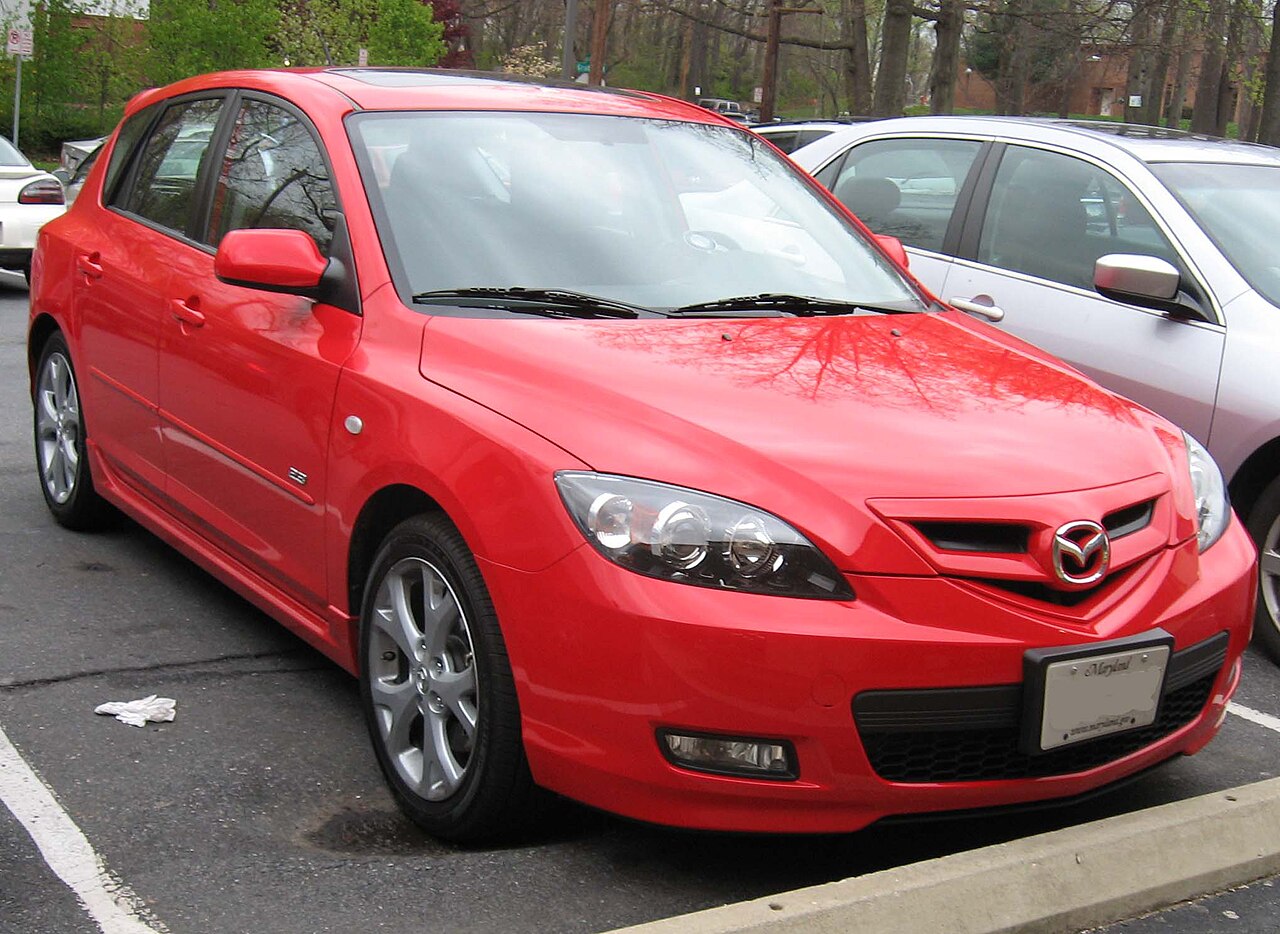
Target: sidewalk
[(1065, 881)]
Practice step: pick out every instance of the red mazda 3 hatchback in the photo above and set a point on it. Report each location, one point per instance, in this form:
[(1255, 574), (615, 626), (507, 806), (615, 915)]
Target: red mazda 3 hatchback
[(619, 461)]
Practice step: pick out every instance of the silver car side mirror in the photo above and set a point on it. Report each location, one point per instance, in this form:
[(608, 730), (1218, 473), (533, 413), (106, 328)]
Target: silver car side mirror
[(1136, 276)]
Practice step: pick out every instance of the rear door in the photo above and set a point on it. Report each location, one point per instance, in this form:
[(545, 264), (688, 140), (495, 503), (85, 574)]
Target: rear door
[(122, 258), (911, 188)]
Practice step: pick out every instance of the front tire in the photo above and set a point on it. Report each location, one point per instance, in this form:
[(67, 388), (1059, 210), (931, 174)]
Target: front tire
[(61, 458), (436, 688), (1264, 526)]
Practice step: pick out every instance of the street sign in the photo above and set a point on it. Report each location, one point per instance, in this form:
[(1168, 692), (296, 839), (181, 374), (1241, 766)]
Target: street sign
[(362, 58), (21, 42)]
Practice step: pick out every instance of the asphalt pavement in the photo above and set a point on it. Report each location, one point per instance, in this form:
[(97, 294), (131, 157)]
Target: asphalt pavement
[(260, 807)]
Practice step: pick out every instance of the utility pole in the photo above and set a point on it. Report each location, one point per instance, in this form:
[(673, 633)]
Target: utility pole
[(769, 84), (599, 42)]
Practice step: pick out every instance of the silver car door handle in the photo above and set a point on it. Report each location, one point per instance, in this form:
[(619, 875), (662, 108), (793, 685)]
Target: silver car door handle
[(975, 307)]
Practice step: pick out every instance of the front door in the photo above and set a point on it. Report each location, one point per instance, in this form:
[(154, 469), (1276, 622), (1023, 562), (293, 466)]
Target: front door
[(1050, 217)]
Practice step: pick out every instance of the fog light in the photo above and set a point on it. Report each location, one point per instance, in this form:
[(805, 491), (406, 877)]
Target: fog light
[(731, 755)]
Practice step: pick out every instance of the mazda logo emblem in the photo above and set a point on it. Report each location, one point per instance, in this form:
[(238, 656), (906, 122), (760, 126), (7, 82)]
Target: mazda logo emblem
[(1081, 553)]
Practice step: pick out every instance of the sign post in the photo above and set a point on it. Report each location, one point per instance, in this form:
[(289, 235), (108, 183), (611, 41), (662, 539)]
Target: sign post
[(22, 44)]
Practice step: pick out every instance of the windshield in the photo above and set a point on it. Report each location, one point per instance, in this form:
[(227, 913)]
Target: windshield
[(1238, 206), (658, 214)]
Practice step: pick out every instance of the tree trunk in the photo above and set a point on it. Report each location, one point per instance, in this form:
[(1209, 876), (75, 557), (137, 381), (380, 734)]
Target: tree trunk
[(1173, 110), (946, 56), (1204, 119), (891, 78), (857, 63), (1139, 76), (1159, 75), (1012, 69)]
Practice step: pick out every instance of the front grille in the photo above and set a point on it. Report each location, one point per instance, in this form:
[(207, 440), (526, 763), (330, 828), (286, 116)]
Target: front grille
[(971, 734), (995, 538)]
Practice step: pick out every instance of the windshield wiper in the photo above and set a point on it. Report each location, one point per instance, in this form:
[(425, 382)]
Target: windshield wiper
[(799, 305), (554, 302)]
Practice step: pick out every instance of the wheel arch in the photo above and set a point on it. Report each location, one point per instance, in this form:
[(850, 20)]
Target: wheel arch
[(382, 512), (1258, 470), (41, 328)]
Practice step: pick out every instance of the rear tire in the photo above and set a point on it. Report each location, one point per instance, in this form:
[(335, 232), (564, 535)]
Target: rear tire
[(437, 691), (62, 461), (1264, 526)]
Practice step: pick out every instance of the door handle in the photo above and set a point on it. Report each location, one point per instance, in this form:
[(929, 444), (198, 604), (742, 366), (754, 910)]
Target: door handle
[(185, 313), (88, 264), (976, 306)]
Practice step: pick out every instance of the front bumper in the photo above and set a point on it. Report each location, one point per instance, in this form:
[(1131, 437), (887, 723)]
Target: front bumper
[(604, 659)]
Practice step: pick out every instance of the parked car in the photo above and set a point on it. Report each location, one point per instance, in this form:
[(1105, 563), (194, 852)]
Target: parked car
[(73, 180), (1139, 254), (616, 460), (731, 109), (790, 135), (76, 151), (29, 198)]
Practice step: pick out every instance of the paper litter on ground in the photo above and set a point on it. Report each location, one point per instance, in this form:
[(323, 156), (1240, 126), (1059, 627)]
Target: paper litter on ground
[(137, 712)]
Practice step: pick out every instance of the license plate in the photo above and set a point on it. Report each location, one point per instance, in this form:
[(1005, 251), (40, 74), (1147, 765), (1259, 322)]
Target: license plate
[(1086, 692)]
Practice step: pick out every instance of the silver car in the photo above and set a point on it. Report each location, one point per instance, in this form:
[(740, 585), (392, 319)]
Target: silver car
[(1148, 258)]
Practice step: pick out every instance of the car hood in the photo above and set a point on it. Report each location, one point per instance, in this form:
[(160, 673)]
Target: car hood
[(809, 418)]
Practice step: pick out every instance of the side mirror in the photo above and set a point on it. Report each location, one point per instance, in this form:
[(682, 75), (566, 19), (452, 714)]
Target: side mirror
[(61, 175), (893, 246), (272, 260), (1145, 280), (1133, 276)]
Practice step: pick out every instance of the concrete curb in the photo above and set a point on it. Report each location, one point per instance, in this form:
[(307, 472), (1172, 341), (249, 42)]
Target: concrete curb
[(1064, 881)]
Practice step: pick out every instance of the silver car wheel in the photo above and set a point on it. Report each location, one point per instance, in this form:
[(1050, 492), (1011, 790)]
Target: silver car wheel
[(1269, 572), (58, 428), (422, 678)]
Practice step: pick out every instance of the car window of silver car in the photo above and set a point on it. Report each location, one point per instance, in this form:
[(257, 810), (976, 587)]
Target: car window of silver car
[(906, 188), (1053, 216), (272, 175)]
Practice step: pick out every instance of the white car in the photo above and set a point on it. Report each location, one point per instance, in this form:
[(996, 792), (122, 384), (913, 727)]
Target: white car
[(29, 198)]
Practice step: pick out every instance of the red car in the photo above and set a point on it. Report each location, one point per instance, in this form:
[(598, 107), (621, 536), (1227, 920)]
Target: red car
[(619, 461)]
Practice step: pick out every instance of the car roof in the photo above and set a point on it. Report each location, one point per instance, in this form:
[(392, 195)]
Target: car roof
[(817, 123), (439, 89), (1147, 143)]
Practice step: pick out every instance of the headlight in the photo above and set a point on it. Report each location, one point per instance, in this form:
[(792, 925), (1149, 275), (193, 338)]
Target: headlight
[(1213, 510), (695, 538)]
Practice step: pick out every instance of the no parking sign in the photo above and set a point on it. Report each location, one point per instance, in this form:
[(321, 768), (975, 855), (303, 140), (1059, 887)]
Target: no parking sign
[(21, 42)]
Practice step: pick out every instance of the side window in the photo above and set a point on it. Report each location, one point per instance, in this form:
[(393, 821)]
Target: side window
[(906, 188), (1053, 216), (126, 141), (273, 175), (164, 187)]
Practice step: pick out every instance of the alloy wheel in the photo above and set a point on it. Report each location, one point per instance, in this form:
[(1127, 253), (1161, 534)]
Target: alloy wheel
[(1269, 572), (58, 428), (422, 678)]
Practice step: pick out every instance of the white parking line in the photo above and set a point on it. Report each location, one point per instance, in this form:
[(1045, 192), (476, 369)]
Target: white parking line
[(65, 848), (1255, 716)]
